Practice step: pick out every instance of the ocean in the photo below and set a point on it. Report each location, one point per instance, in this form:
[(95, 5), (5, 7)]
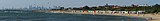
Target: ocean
[(40, 16)]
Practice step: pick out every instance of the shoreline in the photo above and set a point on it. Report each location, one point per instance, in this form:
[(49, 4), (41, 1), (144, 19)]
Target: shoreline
[(146, 16)]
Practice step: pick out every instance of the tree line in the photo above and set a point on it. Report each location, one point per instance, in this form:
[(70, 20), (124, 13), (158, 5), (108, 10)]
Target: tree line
[(148, 9)]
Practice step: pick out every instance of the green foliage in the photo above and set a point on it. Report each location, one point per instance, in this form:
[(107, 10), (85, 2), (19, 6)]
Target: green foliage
[(86, 8), (149, 9)]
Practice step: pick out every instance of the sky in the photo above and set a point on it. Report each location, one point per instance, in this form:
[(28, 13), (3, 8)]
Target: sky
[(70, 3)]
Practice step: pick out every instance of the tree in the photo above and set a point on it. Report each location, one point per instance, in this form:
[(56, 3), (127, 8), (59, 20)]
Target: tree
[(86, 8), (106, 5), (156, 5), (134, 5), (93, 8), (61, 8)]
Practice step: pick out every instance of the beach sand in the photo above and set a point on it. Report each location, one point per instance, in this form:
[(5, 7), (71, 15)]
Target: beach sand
[(154, 17)]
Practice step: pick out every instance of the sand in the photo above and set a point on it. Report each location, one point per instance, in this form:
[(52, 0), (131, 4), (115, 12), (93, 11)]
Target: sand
[(154, 17)]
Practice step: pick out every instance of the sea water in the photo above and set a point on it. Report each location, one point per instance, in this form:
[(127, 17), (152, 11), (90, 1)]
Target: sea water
[(40, 16)]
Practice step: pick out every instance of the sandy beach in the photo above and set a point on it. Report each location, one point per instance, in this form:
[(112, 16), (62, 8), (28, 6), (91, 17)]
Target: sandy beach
[(154, 17)]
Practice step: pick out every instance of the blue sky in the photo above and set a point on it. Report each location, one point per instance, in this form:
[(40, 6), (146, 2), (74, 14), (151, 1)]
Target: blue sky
[(70, 3)]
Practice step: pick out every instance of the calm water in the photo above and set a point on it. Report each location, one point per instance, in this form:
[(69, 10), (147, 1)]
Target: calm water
[(35, 16)]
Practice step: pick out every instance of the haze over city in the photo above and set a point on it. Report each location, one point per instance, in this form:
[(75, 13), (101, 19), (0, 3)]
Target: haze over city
[(71, 3)]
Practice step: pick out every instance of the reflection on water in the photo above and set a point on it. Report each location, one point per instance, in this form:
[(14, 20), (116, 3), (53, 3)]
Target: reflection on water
[(35, 16)]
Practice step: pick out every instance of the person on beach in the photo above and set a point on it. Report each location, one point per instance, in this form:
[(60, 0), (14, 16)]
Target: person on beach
[(93, 14), (122, 14), (148, 19)]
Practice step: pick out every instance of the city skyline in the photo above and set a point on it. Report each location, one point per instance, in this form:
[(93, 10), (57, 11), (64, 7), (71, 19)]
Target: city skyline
[(71, 3)]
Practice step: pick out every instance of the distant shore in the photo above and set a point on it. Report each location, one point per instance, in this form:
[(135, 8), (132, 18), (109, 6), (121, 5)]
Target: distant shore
[(154, 17)]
